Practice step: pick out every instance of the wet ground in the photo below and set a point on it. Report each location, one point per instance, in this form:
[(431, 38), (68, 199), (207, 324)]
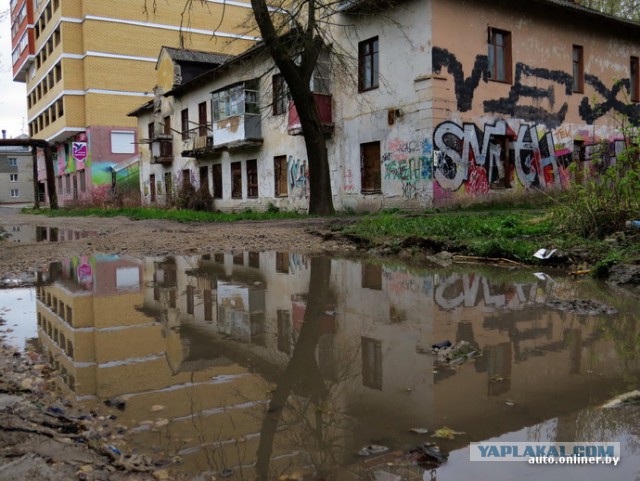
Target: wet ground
[(285, 366)]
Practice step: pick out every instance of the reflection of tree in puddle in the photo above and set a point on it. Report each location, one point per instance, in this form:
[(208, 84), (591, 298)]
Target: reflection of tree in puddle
[(302, 402)]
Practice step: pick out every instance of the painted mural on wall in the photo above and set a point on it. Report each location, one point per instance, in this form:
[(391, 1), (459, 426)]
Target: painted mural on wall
[(73, 156)]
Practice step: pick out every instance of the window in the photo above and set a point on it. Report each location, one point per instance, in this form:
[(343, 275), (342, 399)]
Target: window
[(67, 183), (202, 119), (282, 262), (368, 64), (578, 69), (237, 100), (13, 162), (15, 193), (236, 180), (151, 131), (216, 170), (635, 80), (371, 363), (280, 95), (499, 55), (370, 167), (186, 178), (60, 185), (372, 276), (83, 180), (166, 128), (123, 142), (190, 299), (280, 171), (252, 179), (13, 177), (184, 122)]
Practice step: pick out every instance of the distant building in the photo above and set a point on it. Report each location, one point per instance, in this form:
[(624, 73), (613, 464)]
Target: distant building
[(445, 100), (87, 63), (16, 175)]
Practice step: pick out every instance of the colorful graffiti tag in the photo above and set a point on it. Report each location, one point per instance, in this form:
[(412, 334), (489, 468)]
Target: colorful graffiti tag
[(479, 159), (409, 162), (298, 177)]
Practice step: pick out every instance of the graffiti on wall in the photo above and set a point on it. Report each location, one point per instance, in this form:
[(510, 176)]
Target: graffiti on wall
[(410, 163), (298, 177), (500, 155), (514, 105)]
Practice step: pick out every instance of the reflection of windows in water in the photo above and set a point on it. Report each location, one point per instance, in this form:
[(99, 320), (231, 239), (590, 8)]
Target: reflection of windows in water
[(372, 363), (254, 260), (372, 276), (219, 258), (190, 299), (238, 259), (282, 262), (172, 298), (284, 331), (258, 328), (208, 305), (496, 360), (573, 339)]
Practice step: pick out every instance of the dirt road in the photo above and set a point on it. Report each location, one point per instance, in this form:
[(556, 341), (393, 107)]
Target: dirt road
[(120, 235)]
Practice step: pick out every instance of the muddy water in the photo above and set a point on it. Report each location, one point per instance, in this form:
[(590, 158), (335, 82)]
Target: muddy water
[(254, 364), (30, 234)]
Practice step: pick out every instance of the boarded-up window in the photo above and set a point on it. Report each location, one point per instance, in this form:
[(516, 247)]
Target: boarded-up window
[(208, 305), (236, 180), (254, 260), (252, 179), (217, 181), (184, 121), (280, 174), (370, 167), (202, 119)]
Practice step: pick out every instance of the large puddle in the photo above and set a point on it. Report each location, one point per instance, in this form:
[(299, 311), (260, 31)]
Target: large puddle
[(23, 233), (272, 365)]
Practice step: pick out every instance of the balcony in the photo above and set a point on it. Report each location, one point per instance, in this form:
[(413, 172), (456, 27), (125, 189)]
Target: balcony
[(197, 145), (238, 131), (323, 104), (162, 150)]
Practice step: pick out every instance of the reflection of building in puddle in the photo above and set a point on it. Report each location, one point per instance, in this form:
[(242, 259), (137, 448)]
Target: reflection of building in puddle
[(28, 234), (348, 362)]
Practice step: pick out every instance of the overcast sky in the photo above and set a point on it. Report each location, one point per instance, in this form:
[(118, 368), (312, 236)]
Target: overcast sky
[(13, 95)]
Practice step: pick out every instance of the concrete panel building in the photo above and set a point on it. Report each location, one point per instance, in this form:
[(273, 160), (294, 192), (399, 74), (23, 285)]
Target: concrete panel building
[(16, 175)]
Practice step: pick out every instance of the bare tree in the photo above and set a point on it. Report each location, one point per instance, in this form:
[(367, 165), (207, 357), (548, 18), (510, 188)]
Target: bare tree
[(295, 33)]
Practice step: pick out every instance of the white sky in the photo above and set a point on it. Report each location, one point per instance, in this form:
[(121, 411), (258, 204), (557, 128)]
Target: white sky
[(13, 95)]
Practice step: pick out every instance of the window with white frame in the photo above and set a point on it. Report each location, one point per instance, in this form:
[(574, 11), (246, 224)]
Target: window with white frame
[(13, 162), (123, 142), (15, 193), (239, 99), (13, 177)]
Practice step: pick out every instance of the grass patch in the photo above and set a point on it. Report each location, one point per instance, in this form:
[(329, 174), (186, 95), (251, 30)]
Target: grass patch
[(178, 215)]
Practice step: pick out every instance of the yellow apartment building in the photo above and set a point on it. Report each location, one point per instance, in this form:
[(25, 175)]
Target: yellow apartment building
[(86, 64)]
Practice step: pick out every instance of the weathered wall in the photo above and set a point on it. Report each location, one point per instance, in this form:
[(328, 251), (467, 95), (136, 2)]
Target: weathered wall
[(492, 135)]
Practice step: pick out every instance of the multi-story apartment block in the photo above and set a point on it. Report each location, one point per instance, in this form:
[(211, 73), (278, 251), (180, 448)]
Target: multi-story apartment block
[(524, 96), (87, 63), (16, 175)]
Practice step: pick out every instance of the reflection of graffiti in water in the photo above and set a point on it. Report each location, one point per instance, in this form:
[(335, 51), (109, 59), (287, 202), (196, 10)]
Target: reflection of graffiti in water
[(470, 290)]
